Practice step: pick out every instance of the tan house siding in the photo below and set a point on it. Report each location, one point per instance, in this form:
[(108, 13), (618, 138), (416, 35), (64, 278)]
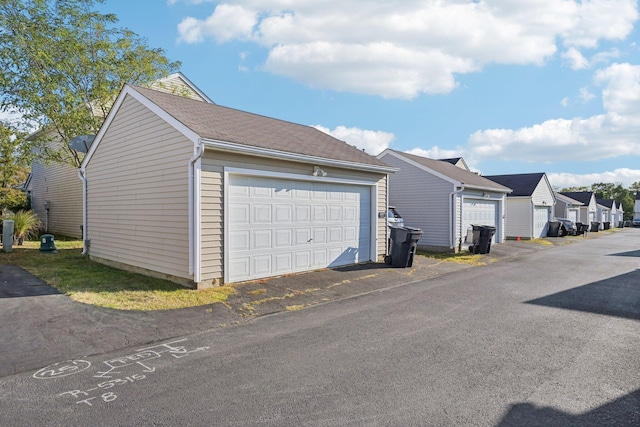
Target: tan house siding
[(138, 194), (59, 184), (212, 203), (175, 85), (382, 228)]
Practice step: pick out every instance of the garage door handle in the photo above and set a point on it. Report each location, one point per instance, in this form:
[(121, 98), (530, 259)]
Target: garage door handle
[(308, 241)]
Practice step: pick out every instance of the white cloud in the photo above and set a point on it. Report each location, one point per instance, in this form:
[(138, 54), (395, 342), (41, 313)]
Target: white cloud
[(612, 134), (564, 102), (436, 152), (372, 142), (576, 60), (624, 176), (227, 22), (402, 48), (585, 95)]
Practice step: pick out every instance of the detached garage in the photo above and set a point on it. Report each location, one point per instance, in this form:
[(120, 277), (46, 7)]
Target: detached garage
[(203, 194), (529, 206), (443, 199)]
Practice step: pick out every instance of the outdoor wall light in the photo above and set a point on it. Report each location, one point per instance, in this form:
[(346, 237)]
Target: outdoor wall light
[(318, 172)]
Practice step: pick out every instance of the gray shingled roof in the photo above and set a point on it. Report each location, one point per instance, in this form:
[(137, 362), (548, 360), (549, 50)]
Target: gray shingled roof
[(522, 184), (458, 174), (215, 122), (581, 196), (606, 202)]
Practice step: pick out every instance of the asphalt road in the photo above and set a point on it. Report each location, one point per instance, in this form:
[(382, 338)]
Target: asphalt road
[(549, 339)]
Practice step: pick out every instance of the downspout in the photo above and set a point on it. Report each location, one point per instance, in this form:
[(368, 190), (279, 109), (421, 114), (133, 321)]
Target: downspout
[(194, 213), (82, 173), (452, 212)]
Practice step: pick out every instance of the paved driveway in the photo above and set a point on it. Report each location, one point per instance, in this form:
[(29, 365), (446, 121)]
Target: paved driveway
[(550, 338)]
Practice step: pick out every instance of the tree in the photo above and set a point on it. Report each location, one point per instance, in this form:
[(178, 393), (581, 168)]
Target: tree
[(63, 65), (14, 167)]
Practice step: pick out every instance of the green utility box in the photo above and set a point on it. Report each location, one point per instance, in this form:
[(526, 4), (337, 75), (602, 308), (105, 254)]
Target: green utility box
[(47, 244)]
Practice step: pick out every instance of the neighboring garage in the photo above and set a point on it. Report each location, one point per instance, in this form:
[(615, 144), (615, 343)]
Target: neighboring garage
[(202, 194), (279, 226), (443, 199), (480, 212), (529, 205), (566, 207)]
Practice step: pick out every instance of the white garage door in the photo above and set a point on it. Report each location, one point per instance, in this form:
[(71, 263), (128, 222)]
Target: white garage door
[(573, 215), (279, 226), (479, 212), (541, 217)]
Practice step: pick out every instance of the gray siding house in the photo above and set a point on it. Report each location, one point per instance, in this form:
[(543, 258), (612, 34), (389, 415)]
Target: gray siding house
[(203, 195), (443, 199), (588, 210), (530, 205), (566, 207)]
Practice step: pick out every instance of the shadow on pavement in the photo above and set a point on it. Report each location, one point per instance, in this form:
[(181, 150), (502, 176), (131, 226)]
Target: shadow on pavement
[(620, 412), (617, 296), (630, 253)]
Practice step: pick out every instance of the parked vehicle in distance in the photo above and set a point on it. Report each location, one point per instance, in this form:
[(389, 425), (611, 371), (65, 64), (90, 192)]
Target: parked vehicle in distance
[(567, 227), (636, 222), (394, 219)]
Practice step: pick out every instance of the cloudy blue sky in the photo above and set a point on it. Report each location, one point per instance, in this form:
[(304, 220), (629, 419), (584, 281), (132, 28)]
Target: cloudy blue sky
[(512, 86)]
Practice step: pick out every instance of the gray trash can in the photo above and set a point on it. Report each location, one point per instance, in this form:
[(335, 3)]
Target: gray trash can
[(554, 229), (403, 244), (595, 226), (482, 235), (607, 225)]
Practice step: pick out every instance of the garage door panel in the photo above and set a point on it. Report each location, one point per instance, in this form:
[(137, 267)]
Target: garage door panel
[(302, 214), (261, 214), (261, 264), (320, 235), (240, 212), (282, 213), (303, 236), (283, 263), (335, 213), (284, 238), (279, 238), (239, 240)]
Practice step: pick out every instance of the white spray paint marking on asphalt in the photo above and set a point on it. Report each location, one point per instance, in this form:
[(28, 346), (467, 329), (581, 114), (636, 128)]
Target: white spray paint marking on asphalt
[(120, 371)]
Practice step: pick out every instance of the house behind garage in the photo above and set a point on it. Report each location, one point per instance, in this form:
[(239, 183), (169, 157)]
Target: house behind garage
[(55, 189), (203, 194)]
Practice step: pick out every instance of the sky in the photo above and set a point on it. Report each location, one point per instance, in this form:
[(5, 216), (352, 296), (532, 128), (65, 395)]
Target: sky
[(511, 86)]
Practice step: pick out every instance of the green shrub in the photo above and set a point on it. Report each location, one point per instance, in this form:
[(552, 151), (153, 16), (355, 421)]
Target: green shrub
[(25, 224)]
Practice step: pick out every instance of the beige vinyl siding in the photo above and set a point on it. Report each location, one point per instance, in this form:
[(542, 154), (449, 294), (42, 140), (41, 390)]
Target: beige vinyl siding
[(60, 185), (137, 194), (381, 227), (176, 86), (519, 217), (212, 200), (423, 201)]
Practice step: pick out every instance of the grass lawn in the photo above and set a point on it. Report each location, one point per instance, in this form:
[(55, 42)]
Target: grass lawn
[(92, 283), (463, 257)]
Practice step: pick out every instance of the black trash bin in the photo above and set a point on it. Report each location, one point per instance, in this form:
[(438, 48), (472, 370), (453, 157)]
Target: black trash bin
[(581, 228), (595, 226), (403, 243), (607, 225), (554, 229), (482, 235)]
